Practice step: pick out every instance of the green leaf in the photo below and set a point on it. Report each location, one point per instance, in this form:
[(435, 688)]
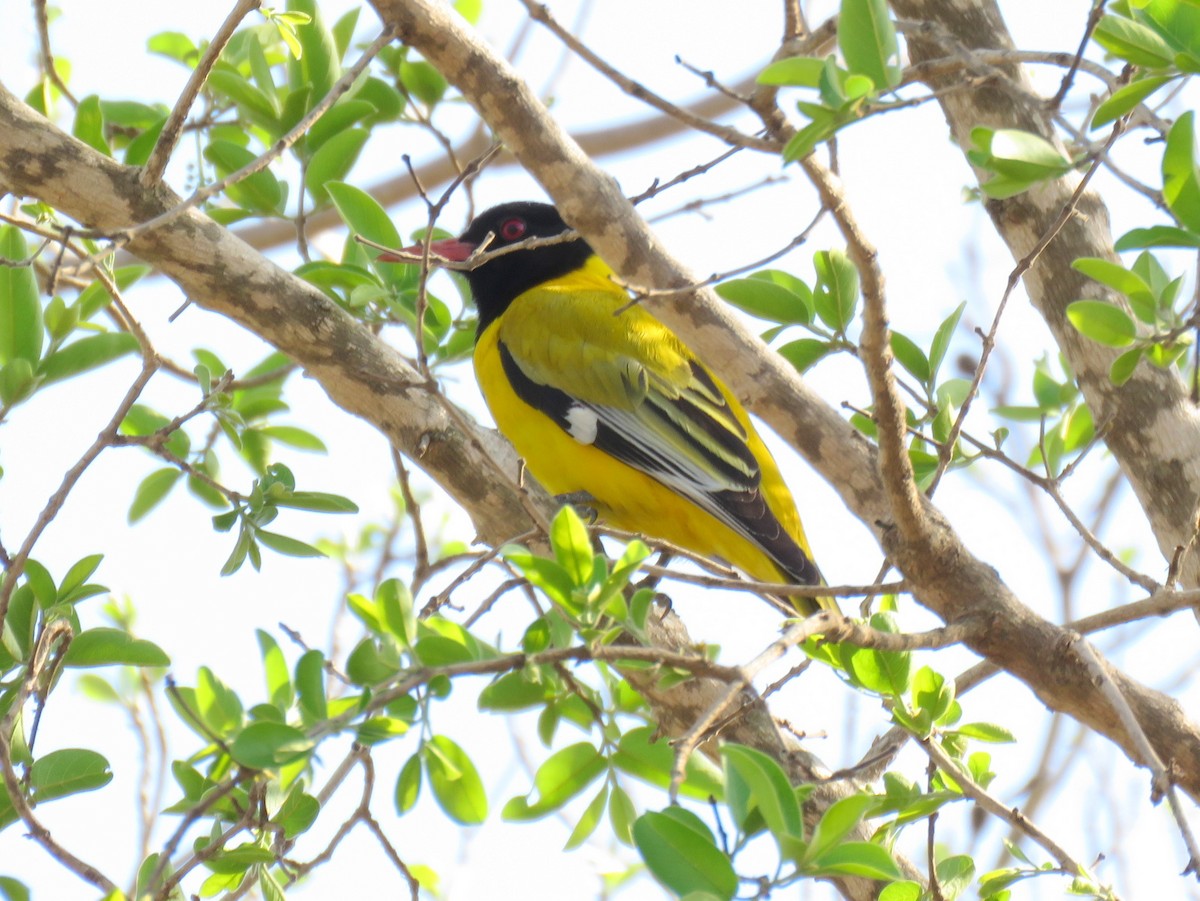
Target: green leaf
[(152, 490), (863, 859), (1157, 236), (260, 192), (955, 875), (565, 774), (310, 686), (901, 891), (317, 501), (41, 583), (216, 703), (87, 353), (837, 822), (12, 890), (266, 745), (589, 821), (942, 337), (423, 81), (333, 160), (683, 857), (836, 296), (174, 45), (1103, 322), (804, 353), (107, 647), (279, 680), (1115, 276), (1124, 365), (1133, 42), (771, 296), (652, 761), (989, 732), (621, 814), (932, 692), (20, 309), (1125, 99), (283, 544), (454, 781), (366, 217), (294, 437), (867, 39), (1181, 188), (89, 124), (884, 672), (795, 71), (768, 789), (254, 104), (572, 545), (408, 785), (911, 357), (512, 691), (68, 772), (81, 570), (239, 859)]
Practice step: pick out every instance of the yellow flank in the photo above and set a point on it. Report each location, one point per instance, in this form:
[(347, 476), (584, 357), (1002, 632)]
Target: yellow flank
[(604, 369)]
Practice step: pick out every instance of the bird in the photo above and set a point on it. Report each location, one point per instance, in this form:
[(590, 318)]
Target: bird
[(603, 401)]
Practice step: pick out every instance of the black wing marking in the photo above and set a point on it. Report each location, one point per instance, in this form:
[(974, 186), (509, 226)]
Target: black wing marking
[(726, 482)]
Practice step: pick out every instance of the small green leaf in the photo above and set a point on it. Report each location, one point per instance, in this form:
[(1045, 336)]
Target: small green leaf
[(837, 822), (795, 71), (942, 337), (1133, 42), (21, 331), (265, 745), (911, 357), (769, 298), (283, 544), (836, 296), (1124, 365), (1103, 322), (1181, 188), (152, 490), (901, 891), (867, 39), (589, 821), (564, 774), (408, 785), (68, 772), (260, 192), (989, 732), (279, 680), (108, 647), (683, 857), (89, 124), (572, 545), (804, 353), (767, 788), (239, 859), (454, 781), (1157, 236), (863, 859), (87, 353), (1125, 99), (334, 160)]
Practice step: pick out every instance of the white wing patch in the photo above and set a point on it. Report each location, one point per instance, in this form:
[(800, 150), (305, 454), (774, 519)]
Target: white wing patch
[(582, 423)]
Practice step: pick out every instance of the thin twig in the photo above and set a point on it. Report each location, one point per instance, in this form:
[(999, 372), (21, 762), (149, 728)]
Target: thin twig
[(152, 172)]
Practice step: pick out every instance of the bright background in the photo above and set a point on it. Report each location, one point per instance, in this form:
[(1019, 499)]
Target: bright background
[(905, 183)]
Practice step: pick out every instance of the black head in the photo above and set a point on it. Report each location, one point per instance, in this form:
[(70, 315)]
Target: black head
[(496, 283)]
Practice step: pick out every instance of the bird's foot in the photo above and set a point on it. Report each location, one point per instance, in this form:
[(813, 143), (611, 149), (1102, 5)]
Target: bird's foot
[(583, 502)]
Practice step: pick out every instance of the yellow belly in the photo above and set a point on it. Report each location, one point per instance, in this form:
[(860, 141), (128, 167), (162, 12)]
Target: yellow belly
[(625, 498)]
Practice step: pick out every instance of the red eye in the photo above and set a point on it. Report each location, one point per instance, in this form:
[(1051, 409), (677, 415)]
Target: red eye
[(512, 229)]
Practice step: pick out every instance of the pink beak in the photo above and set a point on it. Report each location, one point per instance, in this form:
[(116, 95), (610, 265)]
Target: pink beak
[(448, 249)]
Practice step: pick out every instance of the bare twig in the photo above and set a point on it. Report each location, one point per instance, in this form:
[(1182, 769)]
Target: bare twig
[(152, 172)]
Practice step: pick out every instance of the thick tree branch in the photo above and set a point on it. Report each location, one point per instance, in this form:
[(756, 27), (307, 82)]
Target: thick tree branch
[(952, 582), (1153, 429)]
